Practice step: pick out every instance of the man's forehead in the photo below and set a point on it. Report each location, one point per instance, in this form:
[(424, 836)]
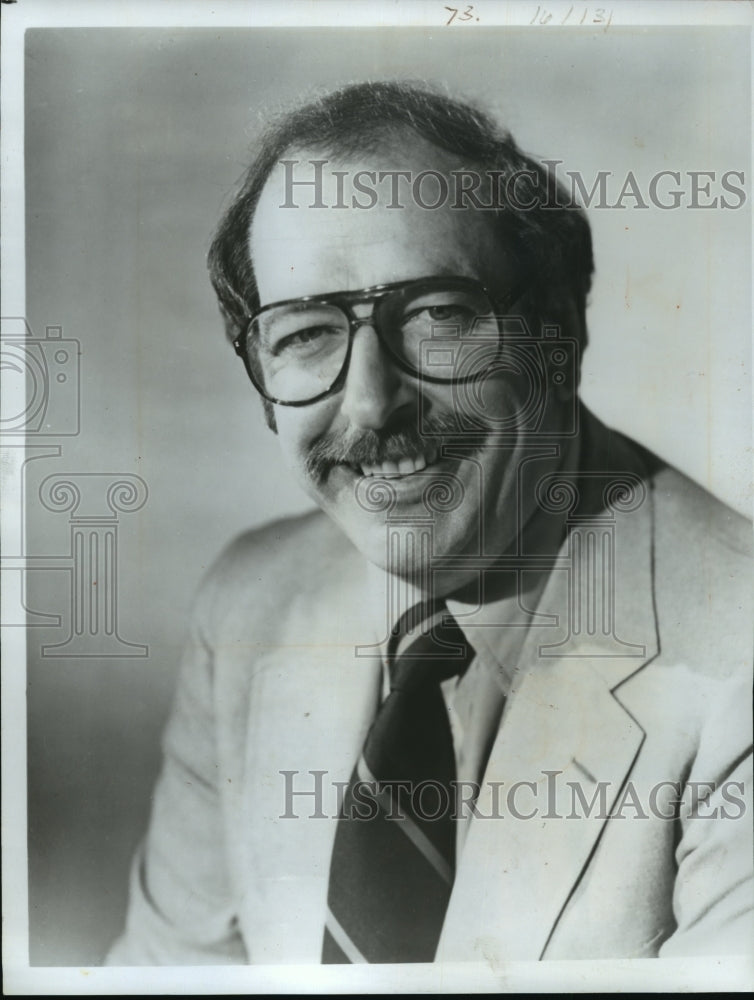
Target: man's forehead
[(317, 228), (403, 151)]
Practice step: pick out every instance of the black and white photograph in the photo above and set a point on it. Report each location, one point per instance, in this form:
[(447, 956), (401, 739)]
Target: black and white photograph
[(377, 494)]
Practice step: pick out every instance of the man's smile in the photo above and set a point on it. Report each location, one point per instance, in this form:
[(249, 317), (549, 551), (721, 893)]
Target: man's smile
[(402, 467), (409, 482), (410, 469)]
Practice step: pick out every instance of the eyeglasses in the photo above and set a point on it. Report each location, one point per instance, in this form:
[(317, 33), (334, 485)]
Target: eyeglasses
[(436, 329)]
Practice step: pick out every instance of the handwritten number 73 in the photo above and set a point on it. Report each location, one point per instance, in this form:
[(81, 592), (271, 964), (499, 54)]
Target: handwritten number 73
[(457, 14)]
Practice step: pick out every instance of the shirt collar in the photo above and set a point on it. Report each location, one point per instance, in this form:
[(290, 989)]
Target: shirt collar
[(495, 628)]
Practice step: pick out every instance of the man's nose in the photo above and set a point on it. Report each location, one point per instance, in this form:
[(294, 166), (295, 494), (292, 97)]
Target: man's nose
[(374, 387)]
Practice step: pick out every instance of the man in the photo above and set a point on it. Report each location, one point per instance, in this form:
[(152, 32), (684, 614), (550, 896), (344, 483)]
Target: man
[(492, 703)]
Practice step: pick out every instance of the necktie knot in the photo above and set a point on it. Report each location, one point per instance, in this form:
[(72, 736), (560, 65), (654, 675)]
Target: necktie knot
[(429, 654)]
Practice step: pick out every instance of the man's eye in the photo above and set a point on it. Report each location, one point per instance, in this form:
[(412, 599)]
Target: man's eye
[(447, 313), (439, 313), (310, 338)]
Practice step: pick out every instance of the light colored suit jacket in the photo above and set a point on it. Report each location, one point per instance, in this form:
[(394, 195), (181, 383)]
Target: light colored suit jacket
[(271, 684)]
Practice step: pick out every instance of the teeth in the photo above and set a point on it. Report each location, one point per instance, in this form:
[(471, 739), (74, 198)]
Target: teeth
[(403, 467)]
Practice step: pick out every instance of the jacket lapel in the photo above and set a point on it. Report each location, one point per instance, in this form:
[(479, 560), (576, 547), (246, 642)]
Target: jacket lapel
[(523, 857)]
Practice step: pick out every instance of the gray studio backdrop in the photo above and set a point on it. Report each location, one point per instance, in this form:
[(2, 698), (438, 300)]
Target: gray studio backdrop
[(134, 139)]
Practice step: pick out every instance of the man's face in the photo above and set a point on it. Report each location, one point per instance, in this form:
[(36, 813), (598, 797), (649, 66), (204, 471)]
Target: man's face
[(314, 251)]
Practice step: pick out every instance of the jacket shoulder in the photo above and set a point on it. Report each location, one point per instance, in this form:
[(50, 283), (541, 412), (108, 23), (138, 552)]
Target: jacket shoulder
[(681, 503), (702, 576), (701, 559), (263, 568), (292, 543)]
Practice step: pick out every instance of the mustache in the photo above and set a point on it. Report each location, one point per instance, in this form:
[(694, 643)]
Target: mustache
[(388, 444)]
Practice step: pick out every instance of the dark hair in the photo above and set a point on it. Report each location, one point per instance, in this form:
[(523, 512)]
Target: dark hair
[(551, 238)]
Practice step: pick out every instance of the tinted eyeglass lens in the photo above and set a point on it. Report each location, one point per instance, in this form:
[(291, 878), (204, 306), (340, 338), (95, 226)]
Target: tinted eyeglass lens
[(297, 350), (438, 331)]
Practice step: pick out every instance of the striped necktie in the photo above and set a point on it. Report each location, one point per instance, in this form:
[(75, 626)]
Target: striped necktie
[(393, 860)]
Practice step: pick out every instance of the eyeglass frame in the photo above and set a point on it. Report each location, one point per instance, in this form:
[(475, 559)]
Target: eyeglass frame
[(344, 300)]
